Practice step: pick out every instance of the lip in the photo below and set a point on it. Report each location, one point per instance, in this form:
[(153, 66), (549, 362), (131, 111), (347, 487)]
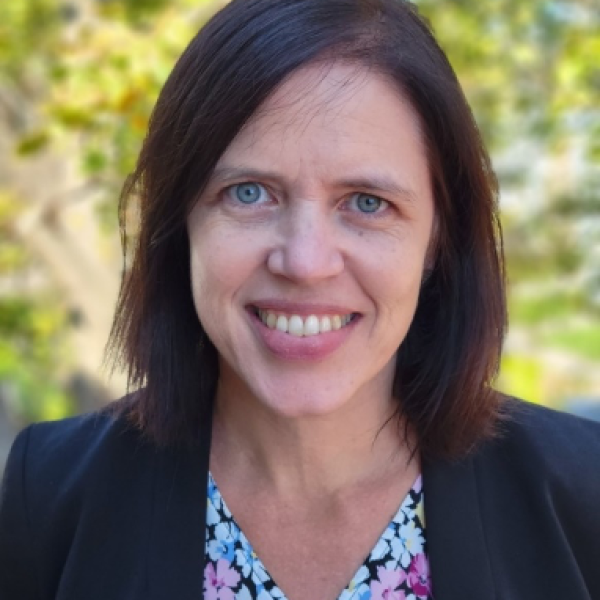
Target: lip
[(289, 347), (302, 309)]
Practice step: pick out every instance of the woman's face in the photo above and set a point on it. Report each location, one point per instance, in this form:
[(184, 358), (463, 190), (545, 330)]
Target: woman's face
[(309, 244)]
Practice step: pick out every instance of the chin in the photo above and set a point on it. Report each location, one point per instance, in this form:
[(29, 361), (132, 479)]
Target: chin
[(301, 400)]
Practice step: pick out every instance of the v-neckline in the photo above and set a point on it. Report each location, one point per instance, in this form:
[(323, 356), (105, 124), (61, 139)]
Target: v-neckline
[(177, 544), (376, 553)]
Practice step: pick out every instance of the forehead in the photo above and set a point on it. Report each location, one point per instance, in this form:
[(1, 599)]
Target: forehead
[(332, 116), (318, 90)]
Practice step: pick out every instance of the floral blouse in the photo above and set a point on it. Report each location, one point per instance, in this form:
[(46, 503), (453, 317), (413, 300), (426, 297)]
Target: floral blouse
[(396, 569)]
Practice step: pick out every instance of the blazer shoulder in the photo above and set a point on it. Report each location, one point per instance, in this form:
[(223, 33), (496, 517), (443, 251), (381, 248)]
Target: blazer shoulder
[(538, 486), (75, 479), (548, 436), (69, 458), (79, 439), (547, 450)]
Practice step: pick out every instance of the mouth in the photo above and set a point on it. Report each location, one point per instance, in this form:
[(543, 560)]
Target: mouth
[(303, 326)]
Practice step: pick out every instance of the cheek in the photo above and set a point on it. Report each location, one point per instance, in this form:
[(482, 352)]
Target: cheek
[(398, 294), (213, 278), (394, 270), (220, 264), (394, 282)]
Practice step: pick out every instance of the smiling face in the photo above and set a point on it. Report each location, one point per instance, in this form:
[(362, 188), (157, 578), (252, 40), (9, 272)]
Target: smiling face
[(308, 246)]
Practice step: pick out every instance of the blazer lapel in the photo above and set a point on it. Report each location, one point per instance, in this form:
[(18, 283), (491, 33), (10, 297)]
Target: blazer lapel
[(458, 556), (177, 549)]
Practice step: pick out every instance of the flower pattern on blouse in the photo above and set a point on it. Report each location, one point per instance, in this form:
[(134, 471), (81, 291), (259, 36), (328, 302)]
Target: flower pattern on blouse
[(396, 569)]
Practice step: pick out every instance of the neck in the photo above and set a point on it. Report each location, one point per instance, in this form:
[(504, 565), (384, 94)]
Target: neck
[(309, 456)]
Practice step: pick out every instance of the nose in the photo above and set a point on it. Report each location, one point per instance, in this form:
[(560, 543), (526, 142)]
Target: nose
[(308, 249)]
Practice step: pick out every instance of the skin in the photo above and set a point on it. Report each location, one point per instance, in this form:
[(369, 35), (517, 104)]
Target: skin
[(302, 452)]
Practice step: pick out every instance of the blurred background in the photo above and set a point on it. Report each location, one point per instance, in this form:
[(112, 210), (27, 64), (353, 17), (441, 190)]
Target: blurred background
[(78, 79)]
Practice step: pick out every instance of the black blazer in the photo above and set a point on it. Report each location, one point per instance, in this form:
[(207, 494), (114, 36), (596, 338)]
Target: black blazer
[(90, 511)]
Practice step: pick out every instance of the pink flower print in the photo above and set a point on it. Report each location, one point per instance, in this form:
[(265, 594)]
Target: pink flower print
[(418, 576), (218, 583), (386, 587)]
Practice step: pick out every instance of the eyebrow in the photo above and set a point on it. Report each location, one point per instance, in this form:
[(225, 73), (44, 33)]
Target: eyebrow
[(377, 182)]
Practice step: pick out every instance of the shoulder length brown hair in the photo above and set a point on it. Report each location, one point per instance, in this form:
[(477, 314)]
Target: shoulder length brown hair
[(451, 353)]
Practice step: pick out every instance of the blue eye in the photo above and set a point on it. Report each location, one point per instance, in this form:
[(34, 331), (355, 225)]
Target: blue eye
[(367, 203), (248, 193)]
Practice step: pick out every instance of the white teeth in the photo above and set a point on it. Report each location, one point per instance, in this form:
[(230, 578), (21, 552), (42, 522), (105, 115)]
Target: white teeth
[(311, 326), (303, 327), (325, 324), (296, 326), (282, 323)]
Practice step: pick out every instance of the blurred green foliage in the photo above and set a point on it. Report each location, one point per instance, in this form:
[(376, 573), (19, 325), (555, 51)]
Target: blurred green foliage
[(523, 376), (91, 71), (33, 351)]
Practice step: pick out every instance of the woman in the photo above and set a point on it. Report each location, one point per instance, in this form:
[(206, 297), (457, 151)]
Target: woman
[(313, 318)]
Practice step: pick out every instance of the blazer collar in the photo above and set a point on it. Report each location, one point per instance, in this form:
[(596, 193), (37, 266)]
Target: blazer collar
[(458, 555), (177, 547)]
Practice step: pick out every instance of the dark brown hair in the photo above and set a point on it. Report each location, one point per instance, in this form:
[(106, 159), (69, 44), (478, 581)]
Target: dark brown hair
[(451, 353)]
